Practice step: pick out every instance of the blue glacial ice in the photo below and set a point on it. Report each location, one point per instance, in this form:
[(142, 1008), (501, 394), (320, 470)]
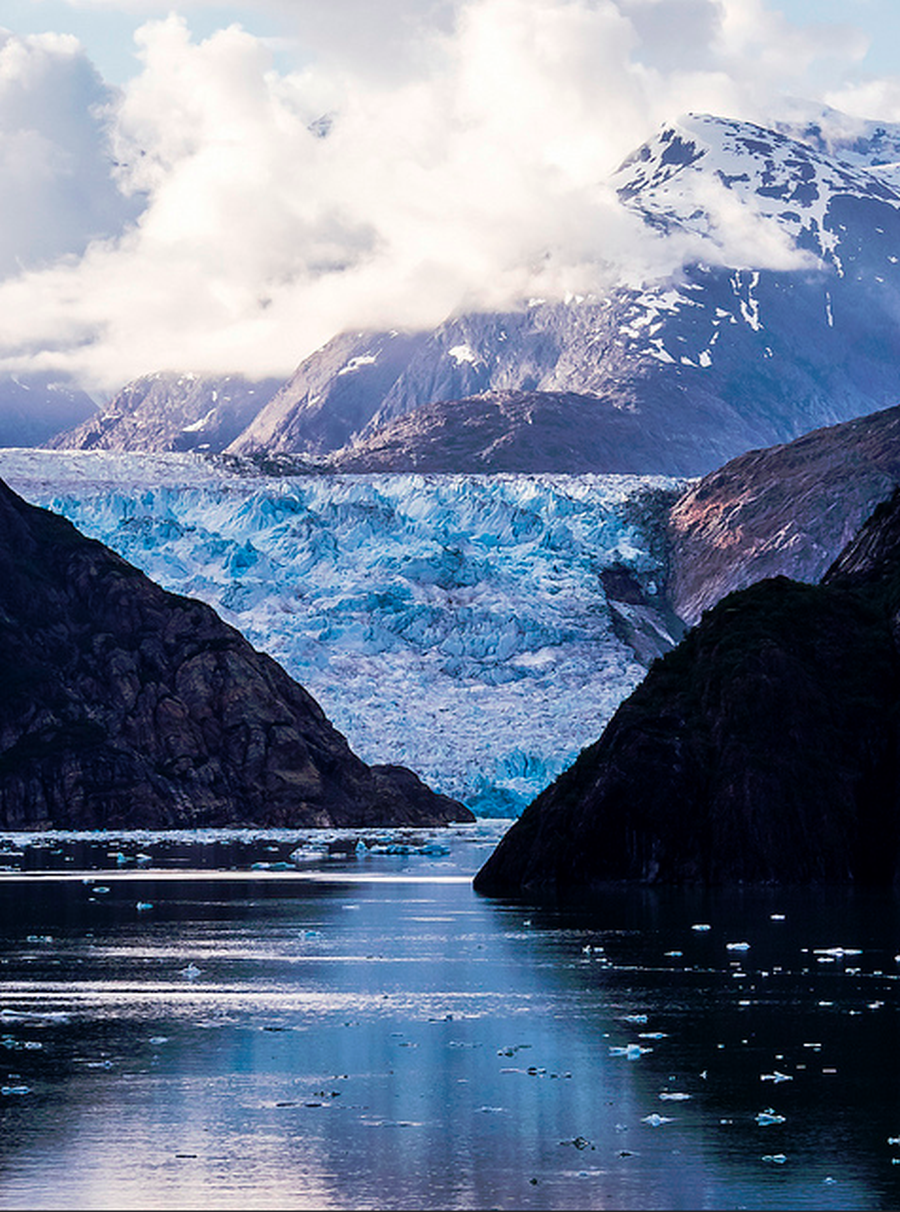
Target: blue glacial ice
[(454, 624)]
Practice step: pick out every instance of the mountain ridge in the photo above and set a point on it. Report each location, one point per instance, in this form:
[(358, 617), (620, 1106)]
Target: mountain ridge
[(778, 318)]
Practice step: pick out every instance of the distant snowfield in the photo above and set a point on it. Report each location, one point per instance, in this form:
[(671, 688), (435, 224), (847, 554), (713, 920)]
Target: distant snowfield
[(453, 624)]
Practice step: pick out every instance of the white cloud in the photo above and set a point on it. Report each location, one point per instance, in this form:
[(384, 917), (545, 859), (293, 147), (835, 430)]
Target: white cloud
[(57, 192), (466, 169)]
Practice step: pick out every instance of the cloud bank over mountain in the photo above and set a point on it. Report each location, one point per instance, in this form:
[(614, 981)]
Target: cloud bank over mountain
[(223, 212)]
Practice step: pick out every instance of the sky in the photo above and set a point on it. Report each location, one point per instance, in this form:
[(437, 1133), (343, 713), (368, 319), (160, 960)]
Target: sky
[(217, 187)]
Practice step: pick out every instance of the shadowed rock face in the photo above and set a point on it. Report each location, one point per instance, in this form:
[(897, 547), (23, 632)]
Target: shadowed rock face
[(124, 706), (763, 748), (520, 431)]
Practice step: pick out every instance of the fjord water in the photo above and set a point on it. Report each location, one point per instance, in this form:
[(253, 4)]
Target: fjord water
[(203, 1021)]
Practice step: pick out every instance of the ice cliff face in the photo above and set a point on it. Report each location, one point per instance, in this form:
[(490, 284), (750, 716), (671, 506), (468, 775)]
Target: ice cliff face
[(457, 625)]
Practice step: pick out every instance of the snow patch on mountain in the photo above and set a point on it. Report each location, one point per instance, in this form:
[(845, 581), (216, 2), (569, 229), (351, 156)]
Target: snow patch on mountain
[(761, 197), (455, 624)]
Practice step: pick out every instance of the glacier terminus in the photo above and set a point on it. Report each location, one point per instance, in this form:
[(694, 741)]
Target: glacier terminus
[(455, 623)]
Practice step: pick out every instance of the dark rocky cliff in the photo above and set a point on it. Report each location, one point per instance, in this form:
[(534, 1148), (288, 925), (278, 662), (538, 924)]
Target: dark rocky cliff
[(124, 706), (764, 748)]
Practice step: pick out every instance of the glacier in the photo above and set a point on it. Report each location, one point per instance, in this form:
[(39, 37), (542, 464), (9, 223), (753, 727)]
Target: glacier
[(455, 624)]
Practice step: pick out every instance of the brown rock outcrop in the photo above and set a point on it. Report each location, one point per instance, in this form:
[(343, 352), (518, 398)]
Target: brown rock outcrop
[(786, 510)]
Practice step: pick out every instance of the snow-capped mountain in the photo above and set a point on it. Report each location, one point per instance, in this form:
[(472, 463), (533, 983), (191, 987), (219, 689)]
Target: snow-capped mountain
[(171, 411), (465, 626), (783, 319)]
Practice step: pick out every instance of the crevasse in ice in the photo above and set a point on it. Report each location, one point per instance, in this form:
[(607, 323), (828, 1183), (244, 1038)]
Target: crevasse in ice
[(454, 624)]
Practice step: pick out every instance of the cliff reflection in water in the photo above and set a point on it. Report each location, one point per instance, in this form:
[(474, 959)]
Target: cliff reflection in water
[(365, 1031)]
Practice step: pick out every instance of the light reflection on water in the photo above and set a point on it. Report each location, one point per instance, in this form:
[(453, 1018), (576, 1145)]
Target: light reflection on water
[(367, 1033)]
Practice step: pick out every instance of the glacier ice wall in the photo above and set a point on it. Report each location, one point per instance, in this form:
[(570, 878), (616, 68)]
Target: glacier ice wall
[(454, 624)]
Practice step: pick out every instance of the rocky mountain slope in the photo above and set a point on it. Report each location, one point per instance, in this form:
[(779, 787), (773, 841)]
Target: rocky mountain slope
[(789, 510), (783, 321), (332, 395), (124, 706), (763, 748), (169, 411), (516, 431)]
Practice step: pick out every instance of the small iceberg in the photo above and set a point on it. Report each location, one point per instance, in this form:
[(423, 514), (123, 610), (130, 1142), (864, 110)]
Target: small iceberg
[(655, 1121), (632, 1051), (769, 1117)]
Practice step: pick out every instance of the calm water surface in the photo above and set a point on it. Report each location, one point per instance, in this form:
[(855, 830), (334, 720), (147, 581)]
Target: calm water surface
[(203, 1021)]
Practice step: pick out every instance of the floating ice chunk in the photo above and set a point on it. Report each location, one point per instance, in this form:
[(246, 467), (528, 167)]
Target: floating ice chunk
[(674, 954), (837, 952), (653, 1035), (776, 917), (769, 1117), (634, 1018), (27, 1016), (778, 1158), (737, 946), (775, 1077), (655, 1121), (143, 906), (301, 855), (674, 1096), (100, 889), (159, 1039), (191, 972), (701, 926), (9, 1090), (632, 1051)]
